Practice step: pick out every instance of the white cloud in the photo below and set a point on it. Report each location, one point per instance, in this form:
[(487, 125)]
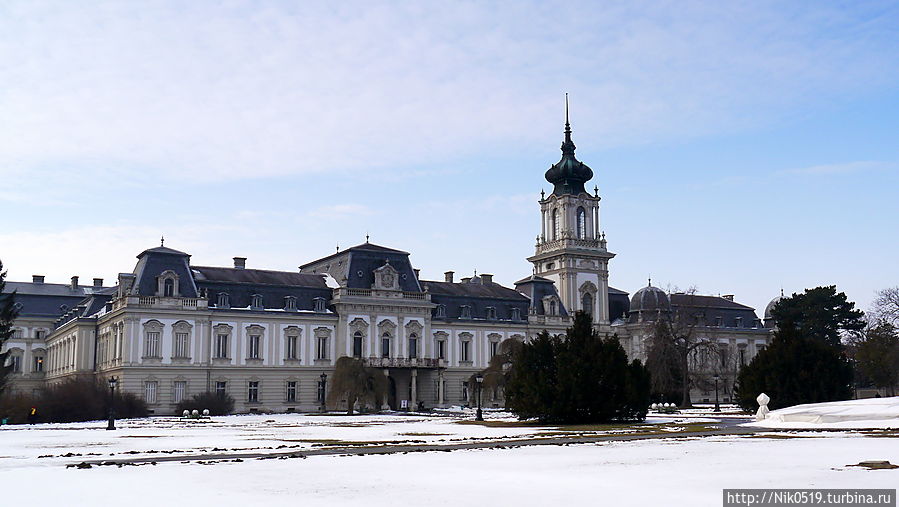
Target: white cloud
[(209, 91)]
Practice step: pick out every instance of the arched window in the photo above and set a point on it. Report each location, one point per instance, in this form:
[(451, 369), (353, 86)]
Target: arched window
[(385, 345), (552, 307), (413, 346), (557, 224), (357, 344), (581, 223), (587, 303), (169, 288)]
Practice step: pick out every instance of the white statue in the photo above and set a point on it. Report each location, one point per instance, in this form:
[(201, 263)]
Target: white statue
[(763, 400)]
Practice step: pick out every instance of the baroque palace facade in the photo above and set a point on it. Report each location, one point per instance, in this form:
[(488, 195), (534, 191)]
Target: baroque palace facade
[(170, 329)]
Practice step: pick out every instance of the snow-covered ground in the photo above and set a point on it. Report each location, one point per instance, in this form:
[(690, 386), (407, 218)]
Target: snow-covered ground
[(852, 414), (674, 471)]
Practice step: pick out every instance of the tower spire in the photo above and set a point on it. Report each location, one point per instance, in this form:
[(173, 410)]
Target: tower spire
[(567, 123)]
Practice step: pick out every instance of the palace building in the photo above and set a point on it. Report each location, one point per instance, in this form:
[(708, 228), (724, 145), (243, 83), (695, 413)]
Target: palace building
[(171, 328)]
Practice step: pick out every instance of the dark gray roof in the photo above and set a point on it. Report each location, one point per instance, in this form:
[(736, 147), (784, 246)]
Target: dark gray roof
[(478, 296), (50, 289), (711, 310), (50, 300), (535, 288), (469, 289), (364, 247), (257, 277), (163, 250), (154, 261)]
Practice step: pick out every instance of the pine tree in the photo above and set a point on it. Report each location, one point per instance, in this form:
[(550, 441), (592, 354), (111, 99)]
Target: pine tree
[(805, 362), (575, 379), (8, 313)]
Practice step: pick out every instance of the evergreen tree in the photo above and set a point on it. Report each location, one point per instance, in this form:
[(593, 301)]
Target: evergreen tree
[(805, 362), (578, 378), (820, 313), (8, 313)]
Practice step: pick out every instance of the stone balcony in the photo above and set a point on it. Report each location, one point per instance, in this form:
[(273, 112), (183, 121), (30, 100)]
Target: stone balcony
[(404, 362), (571, 243), (162, 303), (346, 292)]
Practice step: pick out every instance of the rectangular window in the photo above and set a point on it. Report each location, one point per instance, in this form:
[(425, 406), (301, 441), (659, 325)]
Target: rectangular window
[(322, 347), (252, 392), (181, 345), (441, 349), (221, 388), (150, 391), (290, 350), (152, 344), (221, 346), (179, 391), (742, 356), (16, 363), (291, 391), (413, 348), (494, 349), (40, 334), (253, 353), (464, 356), (38, 364), (722, 354), (385, 347)]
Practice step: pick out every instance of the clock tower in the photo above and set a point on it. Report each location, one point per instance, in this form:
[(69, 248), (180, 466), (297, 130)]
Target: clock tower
[(571, 249)]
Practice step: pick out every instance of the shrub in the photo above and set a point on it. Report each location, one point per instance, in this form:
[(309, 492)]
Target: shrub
[(86, 399), (217, 404)]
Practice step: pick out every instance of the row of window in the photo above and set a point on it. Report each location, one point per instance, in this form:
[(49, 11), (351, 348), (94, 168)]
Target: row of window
[(581, 225), (465, 312), (39, 334), (223, 300), (15, 361), (180, 392)]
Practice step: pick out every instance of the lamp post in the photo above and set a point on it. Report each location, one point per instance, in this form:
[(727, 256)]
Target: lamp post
[(717, 406), (480, 380), (321, 386), (112, 383)]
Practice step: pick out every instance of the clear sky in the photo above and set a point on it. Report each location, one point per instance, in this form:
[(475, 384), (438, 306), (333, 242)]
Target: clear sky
[(738, 147)]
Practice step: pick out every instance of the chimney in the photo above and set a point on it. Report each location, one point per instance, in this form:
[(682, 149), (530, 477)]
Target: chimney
[(448, 276), (98, 282), (240, 263), (729, 297), (37, 278), (466, 280), (485, 278), (74, 285), (417, 273)]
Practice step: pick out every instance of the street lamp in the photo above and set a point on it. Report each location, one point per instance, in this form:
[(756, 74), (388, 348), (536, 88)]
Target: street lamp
[(112, 383), (717, 406), (321, 386), (480, 380)]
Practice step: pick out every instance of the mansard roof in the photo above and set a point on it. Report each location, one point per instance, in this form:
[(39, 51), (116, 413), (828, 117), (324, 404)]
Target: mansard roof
[(711, 311), (256, 276), (364, 247), (50, 300), (163, 250), (489, 290)]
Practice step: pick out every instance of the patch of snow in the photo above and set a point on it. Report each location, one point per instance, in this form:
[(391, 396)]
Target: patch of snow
[(866, 413)]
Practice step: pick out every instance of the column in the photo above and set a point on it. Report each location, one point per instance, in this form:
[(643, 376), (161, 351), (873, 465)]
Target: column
[(542, 225), (385, 405), (414, 380), (440, 387)]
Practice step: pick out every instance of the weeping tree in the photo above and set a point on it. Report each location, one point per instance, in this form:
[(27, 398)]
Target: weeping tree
[(664, 363), (494, 375), (354, 382), (8, 313)]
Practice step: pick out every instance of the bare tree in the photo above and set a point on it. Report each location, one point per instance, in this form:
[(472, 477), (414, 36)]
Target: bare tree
[(675, 333), (886, 306), (355, 382)]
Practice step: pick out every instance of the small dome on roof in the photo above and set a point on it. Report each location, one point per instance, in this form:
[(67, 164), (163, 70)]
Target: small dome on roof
[(771, 306), (650, 298)]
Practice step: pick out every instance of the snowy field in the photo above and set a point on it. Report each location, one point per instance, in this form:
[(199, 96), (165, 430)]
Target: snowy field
[(668, 471)]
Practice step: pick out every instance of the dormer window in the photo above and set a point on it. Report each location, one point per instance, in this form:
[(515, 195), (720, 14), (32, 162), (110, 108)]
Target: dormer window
[(440, 312), (290, 303), (738, 322), (167, 284), (719, 321), (224, 300), (318, 305), (516, 313), (169, 288), (466, 312), (256, 302), (491, 312), (553, 309)]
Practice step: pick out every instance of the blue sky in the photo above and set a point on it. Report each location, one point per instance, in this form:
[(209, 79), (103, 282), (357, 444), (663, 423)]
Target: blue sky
[(739, 148)]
